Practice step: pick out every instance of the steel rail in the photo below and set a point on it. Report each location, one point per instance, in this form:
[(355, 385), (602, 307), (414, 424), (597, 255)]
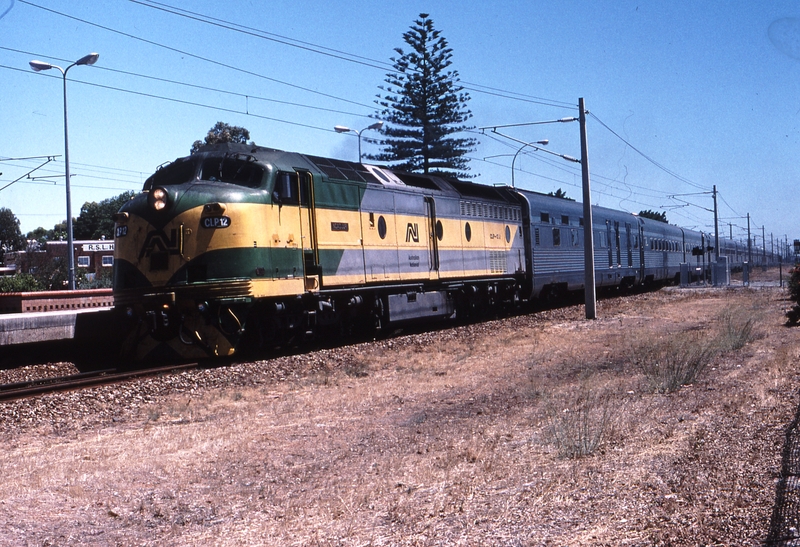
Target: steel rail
[(29, 388)]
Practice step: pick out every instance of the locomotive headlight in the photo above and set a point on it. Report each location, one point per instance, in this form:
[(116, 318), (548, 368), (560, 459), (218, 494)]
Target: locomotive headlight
[(158, 198)]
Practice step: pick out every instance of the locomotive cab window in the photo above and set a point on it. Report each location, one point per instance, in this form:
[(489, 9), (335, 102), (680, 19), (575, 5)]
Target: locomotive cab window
[(177, 172), (239, 171)]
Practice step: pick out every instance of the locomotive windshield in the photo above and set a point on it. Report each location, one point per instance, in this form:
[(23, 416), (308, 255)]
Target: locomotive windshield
[(177, 172), (234, 170)]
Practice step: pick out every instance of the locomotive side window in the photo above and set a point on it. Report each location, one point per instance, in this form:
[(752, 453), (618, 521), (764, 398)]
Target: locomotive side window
[(232, 170), (293, 188), (545, 217)]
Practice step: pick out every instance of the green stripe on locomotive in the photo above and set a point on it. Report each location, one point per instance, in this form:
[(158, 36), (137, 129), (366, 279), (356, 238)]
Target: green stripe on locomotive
[(221, 264)]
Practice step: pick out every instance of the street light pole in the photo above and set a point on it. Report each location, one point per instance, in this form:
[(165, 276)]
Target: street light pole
[(343, 129), (39, 66), (590, 291), (531, 144)]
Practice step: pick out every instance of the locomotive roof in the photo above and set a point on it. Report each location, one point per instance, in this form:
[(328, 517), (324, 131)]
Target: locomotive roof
[(365, 173)]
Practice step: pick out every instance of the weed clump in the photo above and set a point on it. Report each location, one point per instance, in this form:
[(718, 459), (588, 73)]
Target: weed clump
[(737, 328), (581, 420), (673, 362)]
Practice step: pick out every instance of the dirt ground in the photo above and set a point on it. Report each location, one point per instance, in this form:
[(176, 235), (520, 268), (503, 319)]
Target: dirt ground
[(540, 430)]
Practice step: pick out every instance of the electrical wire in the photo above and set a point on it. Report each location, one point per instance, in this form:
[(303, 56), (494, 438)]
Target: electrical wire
[(336, 53), (181, 101), (192, 55), (314, 48), (193, 86), (648, 158)]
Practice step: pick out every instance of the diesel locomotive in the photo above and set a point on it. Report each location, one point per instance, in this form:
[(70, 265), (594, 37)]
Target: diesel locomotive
[(240, 247)]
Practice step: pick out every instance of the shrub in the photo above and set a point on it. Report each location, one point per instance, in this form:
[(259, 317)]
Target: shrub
[(736, 329), (22, 282), (794, 284), (581, 420), (793, 315), (671, 363)]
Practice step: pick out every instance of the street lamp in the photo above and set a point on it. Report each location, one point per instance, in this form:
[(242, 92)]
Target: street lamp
[(342, 129), (39, 66), (588, 244), (532, 145)]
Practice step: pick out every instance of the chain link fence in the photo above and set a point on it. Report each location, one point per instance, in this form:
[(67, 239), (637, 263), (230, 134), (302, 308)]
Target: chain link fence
[(784, 527)]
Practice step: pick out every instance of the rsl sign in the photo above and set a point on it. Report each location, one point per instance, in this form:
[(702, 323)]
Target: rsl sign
[(95, 247)]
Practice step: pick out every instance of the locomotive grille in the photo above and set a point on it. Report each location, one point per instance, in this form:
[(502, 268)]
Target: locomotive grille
[(497, 262)]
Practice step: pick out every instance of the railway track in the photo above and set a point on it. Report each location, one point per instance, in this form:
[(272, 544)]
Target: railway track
[(21, 390)]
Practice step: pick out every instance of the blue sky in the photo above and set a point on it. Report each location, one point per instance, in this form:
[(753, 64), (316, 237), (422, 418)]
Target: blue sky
[(683, 95)]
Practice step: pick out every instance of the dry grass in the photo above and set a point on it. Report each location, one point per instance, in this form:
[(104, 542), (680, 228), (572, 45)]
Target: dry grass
[(517, 432)]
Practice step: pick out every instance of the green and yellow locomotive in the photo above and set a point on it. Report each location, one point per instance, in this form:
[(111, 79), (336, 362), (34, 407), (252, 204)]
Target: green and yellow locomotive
[(239, 247)]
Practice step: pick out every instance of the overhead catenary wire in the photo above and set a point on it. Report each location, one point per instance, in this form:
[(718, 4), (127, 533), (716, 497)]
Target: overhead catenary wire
[(648, 158), (190, 85), (192, 55), (337, 53), (183, 101), (642, 192), (303, 45)]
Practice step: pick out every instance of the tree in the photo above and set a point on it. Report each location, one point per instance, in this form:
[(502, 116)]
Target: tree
[(223, 132), (661, 217), (424, 105), (560, 194), (10, 236), (39, 234), (96, 219)]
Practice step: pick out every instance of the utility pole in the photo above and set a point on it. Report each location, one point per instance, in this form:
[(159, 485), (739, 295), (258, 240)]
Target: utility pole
[(588, 233), (749, 243), (763, 248), (716, 227)]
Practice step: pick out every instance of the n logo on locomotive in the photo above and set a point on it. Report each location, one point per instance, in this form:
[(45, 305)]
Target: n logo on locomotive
[(412, 232), (157, 241)]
